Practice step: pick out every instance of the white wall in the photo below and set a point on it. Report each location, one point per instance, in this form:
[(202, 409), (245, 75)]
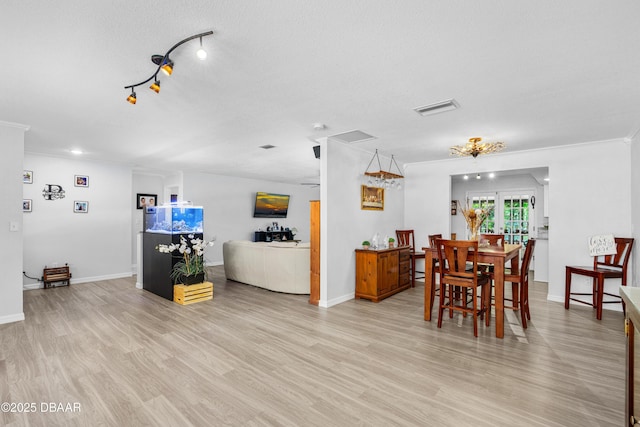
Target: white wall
[(11, 249), (589, 193), (635, 207), (228, 204), (96, 244), (344, 225)]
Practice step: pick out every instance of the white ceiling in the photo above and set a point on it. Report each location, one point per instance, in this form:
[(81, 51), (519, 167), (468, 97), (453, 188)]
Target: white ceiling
[(531, 74)]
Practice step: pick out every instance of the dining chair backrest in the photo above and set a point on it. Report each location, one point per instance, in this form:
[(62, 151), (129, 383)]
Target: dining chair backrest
[(493, 239), (526, 258), (620, 259), (433, 238), (453, 256), (406, 238)]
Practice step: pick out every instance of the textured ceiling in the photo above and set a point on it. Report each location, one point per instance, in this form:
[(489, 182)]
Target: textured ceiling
[(531, 74)]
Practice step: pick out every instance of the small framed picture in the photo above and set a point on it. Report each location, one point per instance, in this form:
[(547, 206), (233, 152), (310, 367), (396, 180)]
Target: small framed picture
[(81, 180), (454, 207), (27, 177), (372, 198), (80, 206), (26, 205), (145, 200)]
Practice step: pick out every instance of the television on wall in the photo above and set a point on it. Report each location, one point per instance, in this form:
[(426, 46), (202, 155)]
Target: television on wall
[(269, 205)]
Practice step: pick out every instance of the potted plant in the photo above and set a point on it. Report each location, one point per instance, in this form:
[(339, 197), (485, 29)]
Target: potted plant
[(366, 244), (190, 269), (391, 242)]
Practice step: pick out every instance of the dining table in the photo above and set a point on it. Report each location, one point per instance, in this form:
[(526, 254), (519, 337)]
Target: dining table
[(498, 256)]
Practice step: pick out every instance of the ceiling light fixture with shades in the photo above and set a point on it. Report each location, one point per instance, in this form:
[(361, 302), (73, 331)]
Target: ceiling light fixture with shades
[(384, 179), (474, 148), (165, 64)]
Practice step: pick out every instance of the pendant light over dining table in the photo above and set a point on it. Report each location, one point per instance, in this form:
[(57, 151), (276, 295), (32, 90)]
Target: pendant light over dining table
[(475, 147), (166, 65)]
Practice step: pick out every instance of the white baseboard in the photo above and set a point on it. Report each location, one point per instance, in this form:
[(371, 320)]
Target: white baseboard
[(12, 318), (336, 301), (77, 281)]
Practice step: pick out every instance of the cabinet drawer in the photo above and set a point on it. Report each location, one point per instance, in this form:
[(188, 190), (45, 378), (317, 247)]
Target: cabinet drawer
[(404, 255), (404, 279), (404, 267)]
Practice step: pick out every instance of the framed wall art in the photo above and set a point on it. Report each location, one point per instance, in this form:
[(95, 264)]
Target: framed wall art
[(372, 198), (80, 206), (81, 180), (145, 200), (26, 205), (27, 177)]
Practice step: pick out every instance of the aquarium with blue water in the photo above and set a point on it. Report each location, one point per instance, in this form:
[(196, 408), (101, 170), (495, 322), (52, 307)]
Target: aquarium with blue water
[(173, 219)]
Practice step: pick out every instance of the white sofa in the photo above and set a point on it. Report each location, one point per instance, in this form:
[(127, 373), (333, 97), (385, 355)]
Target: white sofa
[(277, 266)]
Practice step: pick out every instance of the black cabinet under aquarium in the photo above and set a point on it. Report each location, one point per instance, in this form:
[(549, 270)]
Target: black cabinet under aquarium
[(164, 225)]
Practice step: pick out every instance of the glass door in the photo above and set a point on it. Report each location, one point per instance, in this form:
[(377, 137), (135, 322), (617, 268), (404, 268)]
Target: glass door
[(515, 218), (512, 214)]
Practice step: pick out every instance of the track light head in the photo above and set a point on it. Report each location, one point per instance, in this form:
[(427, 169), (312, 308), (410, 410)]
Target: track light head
[(201, 53), (131, 99), (167, 67), (167, 64), (155, 86)]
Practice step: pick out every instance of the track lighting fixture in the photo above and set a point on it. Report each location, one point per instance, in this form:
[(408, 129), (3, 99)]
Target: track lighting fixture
[(131, 99), (166, 65)]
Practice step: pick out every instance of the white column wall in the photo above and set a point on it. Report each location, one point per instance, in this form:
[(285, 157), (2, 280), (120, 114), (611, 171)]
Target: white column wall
[(344, 225), (11, 249)]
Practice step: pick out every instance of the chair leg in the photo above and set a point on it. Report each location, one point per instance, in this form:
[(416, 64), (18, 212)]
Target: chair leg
[(514, 296), (524, 304), (486, 293), (600, 297), (474, 292), (567, 288), (443, 294), (413, 272)]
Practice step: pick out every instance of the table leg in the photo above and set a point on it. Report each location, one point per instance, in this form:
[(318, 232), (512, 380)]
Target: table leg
[(498, 278), (428, 285)]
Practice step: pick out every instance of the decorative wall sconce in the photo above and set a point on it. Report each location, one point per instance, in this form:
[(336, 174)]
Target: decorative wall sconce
[(384, 179), (165, 64)]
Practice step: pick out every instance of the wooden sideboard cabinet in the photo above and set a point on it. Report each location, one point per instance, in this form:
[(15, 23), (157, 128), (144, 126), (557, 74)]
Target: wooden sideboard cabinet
[(381, 273)]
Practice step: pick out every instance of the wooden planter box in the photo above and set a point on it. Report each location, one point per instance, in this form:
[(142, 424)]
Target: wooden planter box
[(190, 294)]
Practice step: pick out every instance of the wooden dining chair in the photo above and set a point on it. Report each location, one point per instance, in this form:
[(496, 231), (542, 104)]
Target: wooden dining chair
[(493, 240), (604, 267), (520, 284), (453, 256), (407, 238)]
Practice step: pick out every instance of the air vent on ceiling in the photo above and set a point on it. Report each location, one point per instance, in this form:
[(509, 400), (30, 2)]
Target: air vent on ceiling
[(352, 136), (438, 107), (268, 146)]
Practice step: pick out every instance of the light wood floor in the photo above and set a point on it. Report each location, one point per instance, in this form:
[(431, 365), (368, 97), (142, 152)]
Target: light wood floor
[(256, 358)]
